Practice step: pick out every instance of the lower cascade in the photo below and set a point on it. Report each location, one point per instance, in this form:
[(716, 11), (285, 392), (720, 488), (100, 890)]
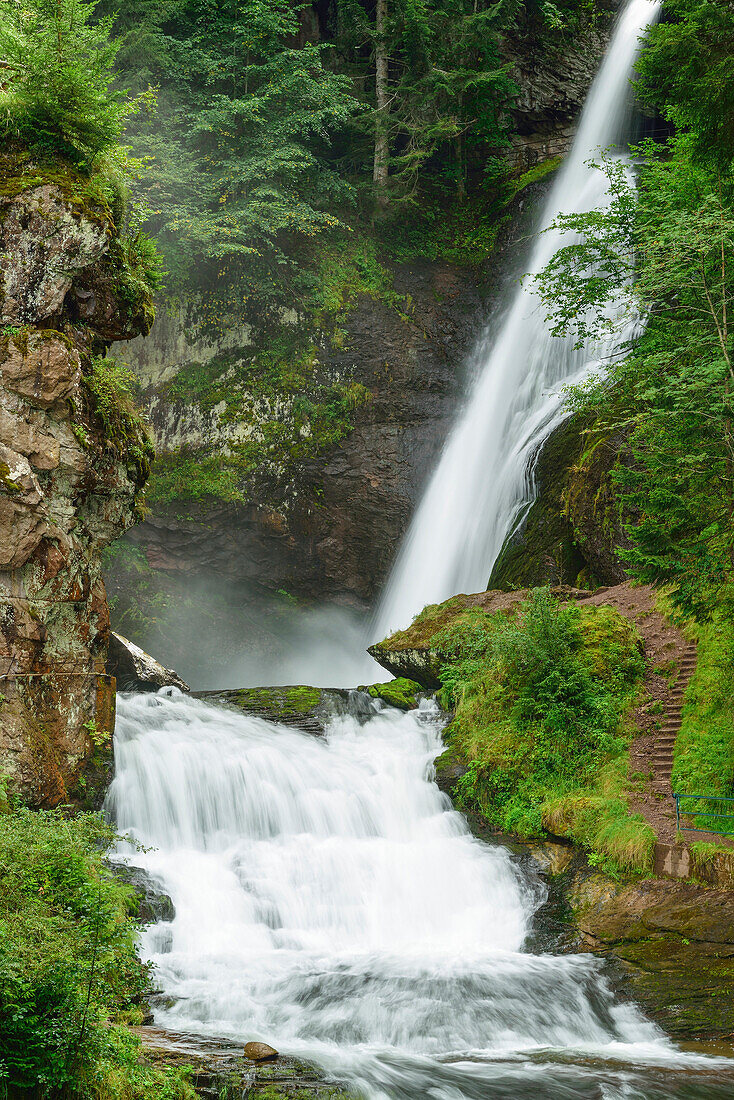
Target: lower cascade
[(329, 901)]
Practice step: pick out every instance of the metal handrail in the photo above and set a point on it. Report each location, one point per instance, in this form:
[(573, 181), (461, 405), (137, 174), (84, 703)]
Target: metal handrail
[(702, 813)]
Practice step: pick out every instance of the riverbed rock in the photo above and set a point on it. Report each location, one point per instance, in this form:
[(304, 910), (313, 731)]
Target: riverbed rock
[(304, 708), (260, 1052), (221, 1072), (136, 670), (153, 903), (68, 485)]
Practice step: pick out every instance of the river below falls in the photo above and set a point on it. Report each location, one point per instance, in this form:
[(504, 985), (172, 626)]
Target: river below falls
[(331, 902)]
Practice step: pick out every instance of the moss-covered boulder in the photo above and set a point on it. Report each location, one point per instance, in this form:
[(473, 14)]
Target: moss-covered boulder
[(305, 708), (400, 693), (573, 531), (418, 653)]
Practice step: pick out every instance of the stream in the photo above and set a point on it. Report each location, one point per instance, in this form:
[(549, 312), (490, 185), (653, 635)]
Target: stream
[(330, 901)]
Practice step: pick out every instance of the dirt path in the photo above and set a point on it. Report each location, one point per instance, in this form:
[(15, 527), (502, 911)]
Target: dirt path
[(670, 663), (659, 715)]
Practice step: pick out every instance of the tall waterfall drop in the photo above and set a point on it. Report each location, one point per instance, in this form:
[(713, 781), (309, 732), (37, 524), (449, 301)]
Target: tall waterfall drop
[(483, 482)]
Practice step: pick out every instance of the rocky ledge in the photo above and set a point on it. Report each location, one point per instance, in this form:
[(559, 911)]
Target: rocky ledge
[(669, 945), (222, 1072)]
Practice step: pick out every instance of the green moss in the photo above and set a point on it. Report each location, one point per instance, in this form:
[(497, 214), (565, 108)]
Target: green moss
[(463, 233), (538, 172), (278, 702), (344, 273), (7, 482), (287, 414), (458, 613), (400, 693), (109, 393), (21, 170)]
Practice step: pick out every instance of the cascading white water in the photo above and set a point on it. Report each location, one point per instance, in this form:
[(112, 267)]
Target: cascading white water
[(483, 482), (329, 901)]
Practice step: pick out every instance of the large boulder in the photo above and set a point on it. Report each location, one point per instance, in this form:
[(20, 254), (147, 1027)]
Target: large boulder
[(136, 670)]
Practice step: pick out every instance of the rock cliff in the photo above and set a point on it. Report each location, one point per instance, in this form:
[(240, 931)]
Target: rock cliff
[(253, 490), (73, 457)]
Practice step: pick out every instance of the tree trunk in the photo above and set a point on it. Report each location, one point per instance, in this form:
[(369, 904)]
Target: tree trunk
[(379, 173)]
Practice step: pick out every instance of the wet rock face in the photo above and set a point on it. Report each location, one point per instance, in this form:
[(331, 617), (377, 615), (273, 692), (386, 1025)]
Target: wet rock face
[(673, 942), (65, 492), (334, 530), (574, 532), (554, 80)]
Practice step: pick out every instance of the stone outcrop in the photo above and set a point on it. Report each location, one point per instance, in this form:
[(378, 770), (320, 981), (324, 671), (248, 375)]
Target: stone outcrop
[(304, 708), (68, 486), (416, 652), (136, 670), (574, 532), (672, 941), (553, 78)]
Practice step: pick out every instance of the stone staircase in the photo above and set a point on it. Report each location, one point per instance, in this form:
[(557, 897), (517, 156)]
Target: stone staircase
[(665, 738)]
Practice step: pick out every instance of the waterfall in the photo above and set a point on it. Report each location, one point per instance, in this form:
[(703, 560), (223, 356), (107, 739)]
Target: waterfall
[(483, 482), (329, 901)]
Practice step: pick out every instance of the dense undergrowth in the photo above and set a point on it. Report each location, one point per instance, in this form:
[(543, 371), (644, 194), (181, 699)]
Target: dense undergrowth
[(70, 978), (540, 696)]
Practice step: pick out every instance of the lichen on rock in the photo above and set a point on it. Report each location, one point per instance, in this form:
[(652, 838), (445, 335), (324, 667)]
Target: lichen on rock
[(66, 488)]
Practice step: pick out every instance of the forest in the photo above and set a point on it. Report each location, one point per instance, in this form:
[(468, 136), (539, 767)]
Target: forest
[(272, 169)]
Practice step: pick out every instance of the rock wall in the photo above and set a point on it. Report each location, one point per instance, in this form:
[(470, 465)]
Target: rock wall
[(553, 79), (66, 487), (328, 523), (331, 525), (574, 532)]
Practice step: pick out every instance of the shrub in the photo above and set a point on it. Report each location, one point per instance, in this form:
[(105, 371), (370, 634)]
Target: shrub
[(68, 963), (539, 701), (58, 72)]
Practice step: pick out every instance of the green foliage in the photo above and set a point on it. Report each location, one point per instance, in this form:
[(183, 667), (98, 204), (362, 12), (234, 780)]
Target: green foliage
[(68, 966), (239, 177), (539, 699), (600, 820), (58, 62), (704, 749), (686, 71), (111, 387), (673, 391)]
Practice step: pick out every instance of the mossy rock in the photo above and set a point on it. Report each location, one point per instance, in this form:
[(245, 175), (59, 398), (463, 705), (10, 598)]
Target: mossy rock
[(572, 532), (674, 944), (21, 170), (416, 653), (305, 708), (400, 693)]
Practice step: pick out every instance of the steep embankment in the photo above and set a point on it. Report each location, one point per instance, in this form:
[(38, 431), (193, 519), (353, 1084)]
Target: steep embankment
[(73, 458)]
